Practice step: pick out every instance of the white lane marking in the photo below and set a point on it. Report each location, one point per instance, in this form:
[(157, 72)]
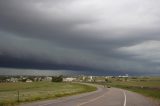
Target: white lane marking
[(124, 98), (83, 103)]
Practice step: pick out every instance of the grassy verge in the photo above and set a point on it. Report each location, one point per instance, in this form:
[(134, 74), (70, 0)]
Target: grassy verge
[(148, 86), (38, 91), (151, 92)]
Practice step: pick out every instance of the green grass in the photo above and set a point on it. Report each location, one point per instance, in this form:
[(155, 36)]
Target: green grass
[(151, 92), (149, 86), (148, 92), (38, 91)]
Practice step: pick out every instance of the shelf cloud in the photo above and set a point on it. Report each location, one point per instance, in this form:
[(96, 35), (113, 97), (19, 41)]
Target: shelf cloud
[(89, 36)]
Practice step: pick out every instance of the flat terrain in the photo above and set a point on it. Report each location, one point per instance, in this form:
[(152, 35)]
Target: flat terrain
[(148, 86), (101, 97), (38, 91)]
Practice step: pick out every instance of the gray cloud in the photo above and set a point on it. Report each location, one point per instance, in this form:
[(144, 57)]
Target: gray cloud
[(88, 35)]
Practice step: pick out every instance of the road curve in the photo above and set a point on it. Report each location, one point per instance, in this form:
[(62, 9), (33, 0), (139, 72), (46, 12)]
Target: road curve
[(101, 97)]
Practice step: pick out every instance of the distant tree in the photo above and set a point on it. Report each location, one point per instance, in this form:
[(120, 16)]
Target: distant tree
[(106, 80), (94, 80), (23, 80), (31, 78), (3, 79), (57, 78)]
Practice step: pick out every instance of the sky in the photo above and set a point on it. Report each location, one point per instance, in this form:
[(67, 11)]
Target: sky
[(105, 37)]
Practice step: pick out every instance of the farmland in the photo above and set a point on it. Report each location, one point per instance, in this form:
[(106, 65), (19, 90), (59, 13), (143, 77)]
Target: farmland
[(13, 93)]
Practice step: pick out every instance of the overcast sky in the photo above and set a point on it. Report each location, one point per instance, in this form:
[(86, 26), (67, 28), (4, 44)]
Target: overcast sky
[(89, 36)]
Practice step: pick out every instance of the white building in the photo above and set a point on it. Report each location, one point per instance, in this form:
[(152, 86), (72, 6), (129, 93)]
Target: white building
[(48, 78), (90, 78), (13, 80), (83, 78), (28, 80), (124, 76), (69, 79)]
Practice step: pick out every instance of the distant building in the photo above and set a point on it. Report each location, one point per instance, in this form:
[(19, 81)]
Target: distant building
[(28, 80), (108, 77), (124, 76), (90, 78), (48, 79), (12, 79), (69, 79), (83, 78)]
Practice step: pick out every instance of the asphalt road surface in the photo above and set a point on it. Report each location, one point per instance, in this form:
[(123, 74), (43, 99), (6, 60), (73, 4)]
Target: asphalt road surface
[(101, 97)]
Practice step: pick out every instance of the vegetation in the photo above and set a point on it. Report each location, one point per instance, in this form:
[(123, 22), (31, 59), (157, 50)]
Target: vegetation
[(148, 86), (57, 78), (13, 93)]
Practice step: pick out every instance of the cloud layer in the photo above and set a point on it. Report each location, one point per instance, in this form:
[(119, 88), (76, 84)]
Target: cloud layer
[(97, 36)]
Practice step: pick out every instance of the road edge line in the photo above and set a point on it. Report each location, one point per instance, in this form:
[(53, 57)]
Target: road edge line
[(124, 98)]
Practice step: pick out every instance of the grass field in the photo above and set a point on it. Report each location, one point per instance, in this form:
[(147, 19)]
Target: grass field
[(148, 86), (38, 91)]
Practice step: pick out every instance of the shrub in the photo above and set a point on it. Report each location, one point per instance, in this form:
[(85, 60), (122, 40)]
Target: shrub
[(57, 78)]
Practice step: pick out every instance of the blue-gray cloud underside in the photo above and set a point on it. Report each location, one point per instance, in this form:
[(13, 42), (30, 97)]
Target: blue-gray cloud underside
[(92, 36)]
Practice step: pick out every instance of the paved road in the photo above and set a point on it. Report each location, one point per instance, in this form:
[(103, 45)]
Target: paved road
[(101, 97)]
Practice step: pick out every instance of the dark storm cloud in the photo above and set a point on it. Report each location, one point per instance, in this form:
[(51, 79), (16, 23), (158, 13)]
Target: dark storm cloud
[(102, 36)]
